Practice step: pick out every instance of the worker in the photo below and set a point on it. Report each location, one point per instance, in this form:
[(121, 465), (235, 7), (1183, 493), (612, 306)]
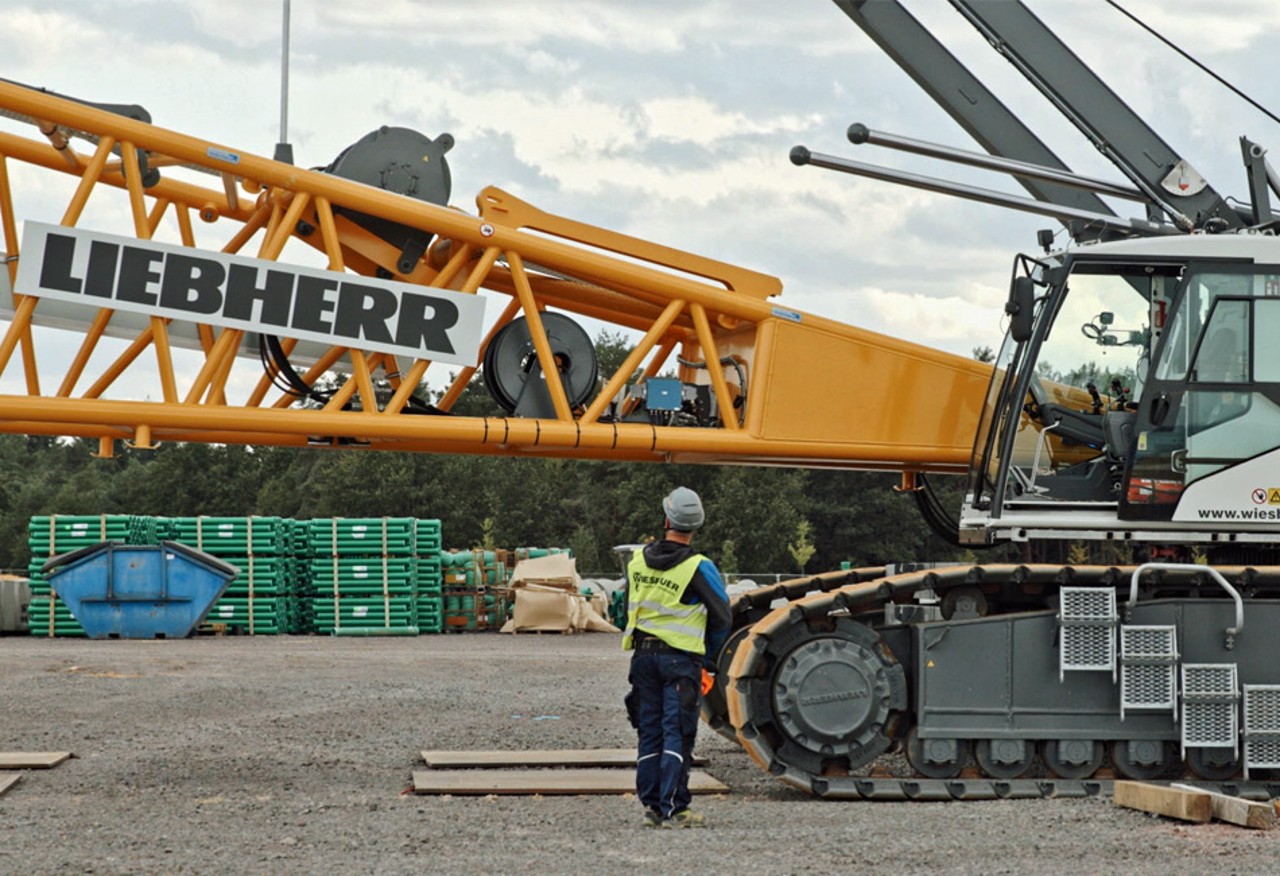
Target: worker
[(677, 619)]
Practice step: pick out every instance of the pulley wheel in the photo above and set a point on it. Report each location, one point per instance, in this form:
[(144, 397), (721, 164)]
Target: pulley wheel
[(403, 162), (510, 358)]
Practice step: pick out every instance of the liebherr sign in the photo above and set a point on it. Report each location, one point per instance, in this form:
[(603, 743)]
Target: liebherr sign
[(158, 279)]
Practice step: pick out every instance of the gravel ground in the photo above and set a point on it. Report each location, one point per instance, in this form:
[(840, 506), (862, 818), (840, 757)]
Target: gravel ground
[(291, 755)]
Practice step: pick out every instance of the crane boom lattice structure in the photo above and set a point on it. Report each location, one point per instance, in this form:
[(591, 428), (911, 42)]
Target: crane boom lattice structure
[(754, 381)]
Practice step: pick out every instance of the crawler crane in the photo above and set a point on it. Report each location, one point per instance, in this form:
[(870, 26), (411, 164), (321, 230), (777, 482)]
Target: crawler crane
[(1153, 670)]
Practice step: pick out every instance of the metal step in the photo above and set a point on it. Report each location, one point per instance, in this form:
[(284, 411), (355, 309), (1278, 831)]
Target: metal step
[(1148, 669), (1088, 619), (1261, 727), (1210, 701)]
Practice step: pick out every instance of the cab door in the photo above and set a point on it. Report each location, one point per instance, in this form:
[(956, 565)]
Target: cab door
[(1209, 420)]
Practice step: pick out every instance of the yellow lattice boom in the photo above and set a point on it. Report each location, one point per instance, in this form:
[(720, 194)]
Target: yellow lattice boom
[(798, 389)]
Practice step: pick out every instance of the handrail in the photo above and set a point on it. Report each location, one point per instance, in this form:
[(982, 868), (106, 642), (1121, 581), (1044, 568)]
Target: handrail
[(1231, 632)]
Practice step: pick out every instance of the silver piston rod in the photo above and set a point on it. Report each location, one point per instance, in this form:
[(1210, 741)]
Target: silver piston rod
[(801, 155), (859, 133)]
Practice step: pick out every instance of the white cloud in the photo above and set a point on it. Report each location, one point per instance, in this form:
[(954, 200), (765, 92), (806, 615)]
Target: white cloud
[(701, 121)]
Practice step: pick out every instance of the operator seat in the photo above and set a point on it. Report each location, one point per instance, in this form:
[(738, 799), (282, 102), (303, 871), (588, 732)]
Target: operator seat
[(1118, 431), (1078, 427)]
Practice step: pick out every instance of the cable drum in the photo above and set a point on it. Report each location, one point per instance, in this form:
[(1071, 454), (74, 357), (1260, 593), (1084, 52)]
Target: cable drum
[(404, 162), (510, 359)]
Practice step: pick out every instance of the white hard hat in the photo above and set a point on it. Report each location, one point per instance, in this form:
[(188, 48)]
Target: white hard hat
[(683, 509)]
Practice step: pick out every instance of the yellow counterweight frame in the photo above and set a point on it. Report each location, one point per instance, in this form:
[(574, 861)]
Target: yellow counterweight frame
[(816, 393)]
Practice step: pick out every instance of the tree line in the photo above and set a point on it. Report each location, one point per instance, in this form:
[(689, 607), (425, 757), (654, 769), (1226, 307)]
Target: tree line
[(758, 519)]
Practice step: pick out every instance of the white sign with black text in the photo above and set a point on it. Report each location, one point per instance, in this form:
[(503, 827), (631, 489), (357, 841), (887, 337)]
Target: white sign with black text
[(158, 279)]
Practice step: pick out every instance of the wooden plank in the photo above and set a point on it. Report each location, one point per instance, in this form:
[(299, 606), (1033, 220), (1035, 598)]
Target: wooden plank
[(31, 760), (582, 757), (545, 781), (1237, 810), (1170, 802), (8, 780)]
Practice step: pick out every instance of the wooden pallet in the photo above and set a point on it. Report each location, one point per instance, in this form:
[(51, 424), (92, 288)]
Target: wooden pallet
[(32, 760), (545, 781), (583, 757)]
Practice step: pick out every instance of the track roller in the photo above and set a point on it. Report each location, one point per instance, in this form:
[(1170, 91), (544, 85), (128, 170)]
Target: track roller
[(937, 758), (1143, 758), (1004, 758), (1213, 764), (1072, 758)]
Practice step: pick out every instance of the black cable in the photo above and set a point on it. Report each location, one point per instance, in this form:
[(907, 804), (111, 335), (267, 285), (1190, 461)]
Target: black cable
[(939, 519), (1155, 33), (275, 362), (742, 379), (931, 511)]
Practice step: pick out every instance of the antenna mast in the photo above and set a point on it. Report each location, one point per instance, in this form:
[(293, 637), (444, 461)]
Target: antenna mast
[(284, 151)]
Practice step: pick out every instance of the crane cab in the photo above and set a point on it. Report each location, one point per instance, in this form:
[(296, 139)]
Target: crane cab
[(1141, 398)]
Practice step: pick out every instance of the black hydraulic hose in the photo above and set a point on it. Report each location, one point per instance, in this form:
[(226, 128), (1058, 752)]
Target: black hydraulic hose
[(939, 520), (942, 526), (275, 362)]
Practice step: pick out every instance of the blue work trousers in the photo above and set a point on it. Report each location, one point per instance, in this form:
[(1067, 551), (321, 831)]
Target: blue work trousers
[(667, 698)]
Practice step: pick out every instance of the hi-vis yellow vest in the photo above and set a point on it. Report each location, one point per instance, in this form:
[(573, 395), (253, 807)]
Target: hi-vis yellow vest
[(654, 606)]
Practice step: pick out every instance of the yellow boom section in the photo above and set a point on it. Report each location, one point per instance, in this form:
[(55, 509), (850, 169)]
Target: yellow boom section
[(796, 389)]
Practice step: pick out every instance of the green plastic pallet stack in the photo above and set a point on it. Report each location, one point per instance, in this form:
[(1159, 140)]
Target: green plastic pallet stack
[(428, 538), (260, 600), (362, 576), (48, 536), (461, 586), (48, 615), (345, 576), (298, 575)]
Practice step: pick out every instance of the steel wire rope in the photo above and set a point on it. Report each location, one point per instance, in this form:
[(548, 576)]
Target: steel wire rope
[(1187, 55)]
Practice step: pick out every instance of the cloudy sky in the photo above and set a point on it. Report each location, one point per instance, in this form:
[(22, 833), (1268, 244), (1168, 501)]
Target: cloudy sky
[(669, 119)]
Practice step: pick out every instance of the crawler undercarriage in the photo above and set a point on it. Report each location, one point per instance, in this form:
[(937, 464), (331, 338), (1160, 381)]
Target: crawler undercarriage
[(1016, 671)]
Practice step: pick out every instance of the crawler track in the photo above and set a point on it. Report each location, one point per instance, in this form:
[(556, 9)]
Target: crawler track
[(924, 790), (831, 648)]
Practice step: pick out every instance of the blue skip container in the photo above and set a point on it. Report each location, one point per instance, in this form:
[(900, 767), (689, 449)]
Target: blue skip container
[(119, 591)]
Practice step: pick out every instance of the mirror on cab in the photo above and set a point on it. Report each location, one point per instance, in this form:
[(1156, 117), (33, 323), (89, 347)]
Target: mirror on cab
[(1021, 303)]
